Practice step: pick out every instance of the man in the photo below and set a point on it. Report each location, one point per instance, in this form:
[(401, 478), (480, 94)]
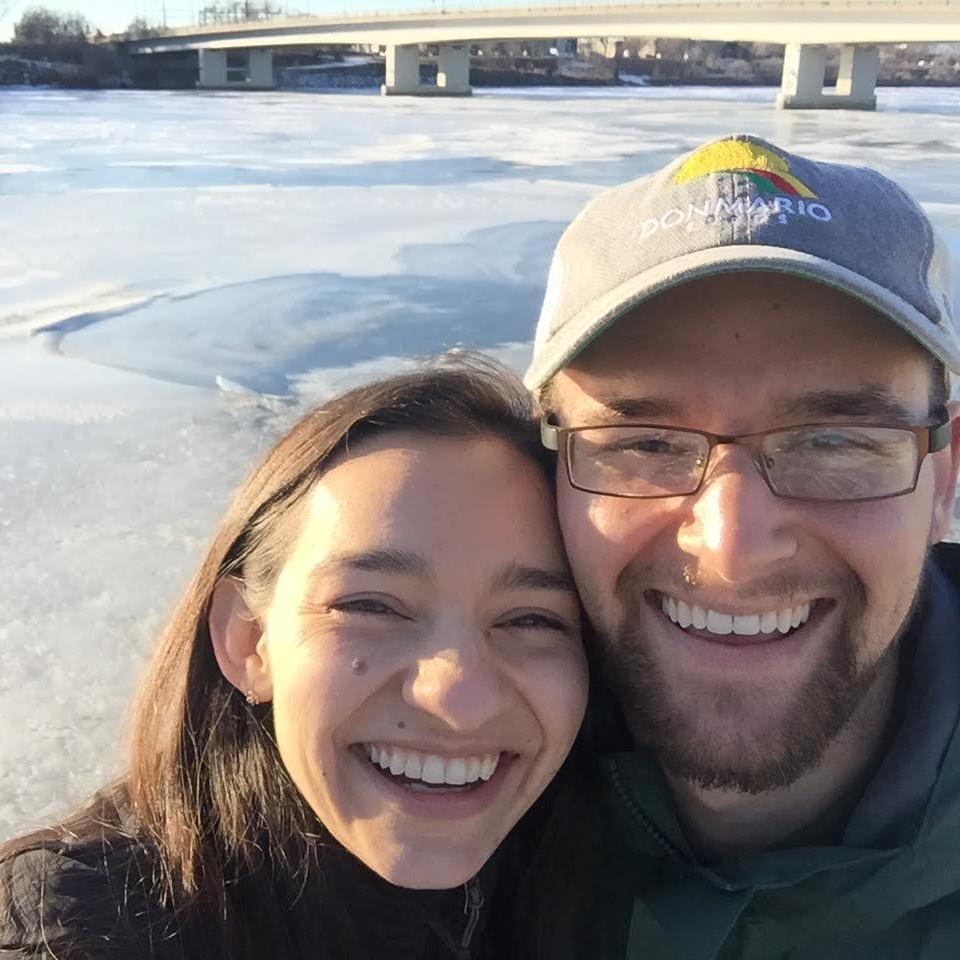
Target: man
[(742, 363)]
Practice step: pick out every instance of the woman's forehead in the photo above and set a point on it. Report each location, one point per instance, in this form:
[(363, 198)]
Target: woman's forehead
[(410, 489)]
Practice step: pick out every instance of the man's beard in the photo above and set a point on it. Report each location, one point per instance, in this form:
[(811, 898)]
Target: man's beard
[(754, 762)]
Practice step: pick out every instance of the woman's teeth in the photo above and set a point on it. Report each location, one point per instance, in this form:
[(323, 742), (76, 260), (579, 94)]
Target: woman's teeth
[(430, 769), (687, 615)]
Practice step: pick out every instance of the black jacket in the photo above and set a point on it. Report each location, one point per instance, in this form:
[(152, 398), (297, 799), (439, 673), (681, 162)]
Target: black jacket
[(97, 899)]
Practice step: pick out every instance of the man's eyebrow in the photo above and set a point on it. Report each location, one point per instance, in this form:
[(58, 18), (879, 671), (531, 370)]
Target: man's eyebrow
[(519, 576), (872, 401), (401, 562), (640, 408)]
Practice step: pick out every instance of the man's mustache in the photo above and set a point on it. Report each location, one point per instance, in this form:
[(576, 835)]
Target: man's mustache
[(686, 580)]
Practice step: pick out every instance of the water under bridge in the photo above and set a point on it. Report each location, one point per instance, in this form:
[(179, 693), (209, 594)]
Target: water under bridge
[(240, 55)]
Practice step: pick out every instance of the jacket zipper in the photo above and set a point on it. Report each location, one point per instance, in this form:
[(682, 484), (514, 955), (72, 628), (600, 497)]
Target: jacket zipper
[(472, 904), (672, 850), (649, 827)]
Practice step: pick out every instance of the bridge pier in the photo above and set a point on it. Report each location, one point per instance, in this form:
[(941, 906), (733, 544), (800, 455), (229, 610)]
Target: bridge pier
[(235, 69), (859, 68), (453, 69), (804, 65), (402, 70), (402, 76)]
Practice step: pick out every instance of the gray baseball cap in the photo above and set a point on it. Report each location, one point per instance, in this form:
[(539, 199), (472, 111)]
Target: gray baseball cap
[(740, 204)]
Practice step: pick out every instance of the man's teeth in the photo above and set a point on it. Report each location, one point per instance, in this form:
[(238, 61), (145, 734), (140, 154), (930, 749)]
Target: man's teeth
[(430, 768), (686, 615)]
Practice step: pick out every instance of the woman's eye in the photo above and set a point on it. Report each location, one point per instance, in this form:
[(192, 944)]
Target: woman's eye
[(364, 605)]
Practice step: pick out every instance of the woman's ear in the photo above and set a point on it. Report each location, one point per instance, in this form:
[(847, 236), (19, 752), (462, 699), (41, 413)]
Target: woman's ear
[(236, 633), (946, 469)]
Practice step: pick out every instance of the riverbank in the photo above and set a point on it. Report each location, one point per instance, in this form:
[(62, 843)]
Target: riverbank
[(107, 65)]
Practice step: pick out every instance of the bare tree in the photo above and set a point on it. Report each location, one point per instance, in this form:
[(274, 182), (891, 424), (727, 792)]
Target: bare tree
[(39, 25)]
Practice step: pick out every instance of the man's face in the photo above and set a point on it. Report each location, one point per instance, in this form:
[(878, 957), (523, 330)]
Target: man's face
[(738, 355)]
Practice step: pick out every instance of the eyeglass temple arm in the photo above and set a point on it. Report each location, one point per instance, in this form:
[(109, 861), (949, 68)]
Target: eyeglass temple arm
[(550, 435), (940, 436)]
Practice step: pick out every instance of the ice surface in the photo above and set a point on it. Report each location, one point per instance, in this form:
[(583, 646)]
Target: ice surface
[(168, 256)]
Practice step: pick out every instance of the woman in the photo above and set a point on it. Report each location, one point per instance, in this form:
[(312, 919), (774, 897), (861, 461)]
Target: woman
[(374, 675)]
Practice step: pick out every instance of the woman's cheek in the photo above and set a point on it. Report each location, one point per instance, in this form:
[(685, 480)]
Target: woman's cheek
[(557, 692)]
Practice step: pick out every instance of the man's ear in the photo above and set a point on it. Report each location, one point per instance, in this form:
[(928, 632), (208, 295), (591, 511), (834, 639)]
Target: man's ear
[(947, 465), (235, 634)]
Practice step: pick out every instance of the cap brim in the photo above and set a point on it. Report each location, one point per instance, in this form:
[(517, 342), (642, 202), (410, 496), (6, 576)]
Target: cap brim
[(580, 331)]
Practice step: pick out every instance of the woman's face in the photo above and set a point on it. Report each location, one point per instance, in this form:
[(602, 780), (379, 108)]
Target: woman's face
[(423, 648)]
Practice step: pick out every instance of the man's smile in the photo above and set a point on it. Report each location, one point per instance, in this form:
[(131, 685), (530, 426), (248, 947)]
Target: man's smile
[(701, 617), (746, 625)]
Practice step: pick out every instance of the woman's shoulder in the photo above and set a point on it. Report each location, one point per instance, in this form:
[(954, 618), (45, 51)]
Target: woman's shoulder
[(84, 898)]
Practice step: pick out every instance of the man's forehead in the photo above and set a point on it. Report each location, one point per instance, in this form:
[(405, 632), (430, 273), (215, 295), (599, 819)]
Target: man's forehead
[(625, 402), (736, 311), (778, 342)]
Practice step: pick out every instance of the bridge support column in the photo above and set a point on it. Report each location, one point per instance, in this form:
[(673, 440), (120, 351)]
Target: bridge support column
[(213, 68), (402, 70), (804, 65), (235, 69), (803, 72), (260, 70), (453, 69), (402, 74), (857, 80)]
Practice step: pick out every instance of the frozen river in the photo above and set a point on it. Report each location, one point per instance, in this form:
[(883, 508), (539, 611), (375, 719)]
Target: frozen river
[(181, 273)]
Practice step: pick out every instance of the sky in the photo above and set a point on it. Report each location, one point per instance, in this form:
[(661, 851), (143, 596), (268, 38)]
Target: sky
[(110, 16)]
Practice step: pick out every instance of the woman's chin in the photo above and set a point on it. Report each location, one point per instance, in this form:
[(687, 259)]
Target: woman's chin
[(424, 870)]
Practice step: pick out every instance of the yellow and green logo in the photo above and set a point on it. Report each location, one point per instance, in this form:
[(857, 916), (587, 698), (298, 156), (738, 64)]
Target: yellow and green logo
[(764, 167)]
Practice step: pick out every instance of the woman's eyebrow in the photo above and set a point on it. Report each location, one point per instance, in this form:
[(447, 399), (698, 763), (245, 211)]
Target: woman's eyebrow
[(401, 562), (519, 576)]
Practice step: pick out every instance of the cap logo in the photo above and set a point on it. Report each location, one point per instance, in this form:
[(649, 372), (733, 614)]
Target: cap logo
[(777, 196), (765, 168)]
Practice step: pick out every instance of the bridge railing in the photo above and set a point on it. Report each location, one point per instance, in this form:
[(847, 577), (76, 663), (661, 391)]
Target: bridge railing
[(305, 10)]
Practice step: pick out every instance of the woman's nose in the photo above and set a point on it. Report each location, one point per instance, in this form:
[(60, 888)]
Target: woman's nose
[(461, 684)]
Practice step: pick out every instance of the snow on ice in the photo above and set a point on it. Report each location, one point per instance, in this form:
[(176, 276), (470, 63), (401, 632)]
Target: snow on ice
[(183, 273)]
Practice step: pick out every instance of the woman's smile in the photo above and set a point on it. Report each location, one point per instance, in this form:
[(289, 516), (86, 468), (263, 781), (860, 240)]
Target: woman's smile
[(437, 788)]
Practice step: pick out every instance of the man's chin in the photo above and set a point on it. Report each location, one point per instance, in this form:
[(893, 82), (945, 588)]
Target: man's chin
[(730, 733), (750, 750)]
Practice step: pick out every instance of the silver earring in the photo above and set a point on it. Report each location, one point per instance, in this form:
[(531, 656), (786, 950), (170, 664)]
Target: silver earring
[(252, 698)]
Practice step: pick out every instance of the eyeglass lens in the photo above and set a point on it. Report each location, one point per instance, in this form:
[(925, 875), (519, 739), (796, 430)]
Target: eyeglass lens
[(811, 463)]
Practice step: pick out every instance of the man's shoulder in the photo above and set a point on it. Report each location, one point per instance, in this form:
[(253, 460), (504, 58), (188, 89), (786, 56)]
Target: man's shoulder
[(946, 558), (72, 897)]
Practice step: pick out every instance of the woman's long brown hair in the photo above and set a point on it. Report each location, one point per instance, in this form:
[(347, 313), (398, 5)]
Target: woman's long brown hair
[(205, 787)]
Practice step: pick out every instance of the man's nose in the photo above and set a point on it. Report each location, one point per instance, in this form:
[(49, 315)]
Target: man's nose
[(737, 529), (460, 684)]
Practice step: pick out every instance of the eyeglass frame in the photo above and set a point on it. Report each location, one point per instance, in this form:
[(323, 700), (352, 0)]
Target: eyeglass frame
[(931, 438)]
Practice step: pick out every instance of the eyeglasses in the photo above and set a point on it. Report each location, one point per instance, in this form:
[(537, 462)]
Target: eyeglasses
[(823, 462)]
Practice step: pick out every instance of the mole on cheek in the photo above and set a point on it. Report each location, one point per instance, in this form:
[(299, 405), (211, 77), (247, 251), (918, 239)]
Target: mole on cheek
[(359, 667), (401, 725)]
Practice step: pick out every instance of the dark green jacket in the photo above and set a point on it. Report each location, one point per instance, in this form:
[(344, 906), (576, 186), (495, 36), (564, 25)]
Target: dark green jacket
[(888, 887)]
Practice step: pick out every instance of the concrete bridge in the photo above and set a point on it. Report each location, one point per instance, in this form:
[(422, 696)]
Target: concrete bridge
[(240, 55)]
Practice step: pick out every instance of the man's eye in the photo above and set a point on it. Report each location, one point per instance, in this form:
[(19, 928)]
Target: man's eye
[(642, 446), (647, 446), (835, 442), (534, 621)]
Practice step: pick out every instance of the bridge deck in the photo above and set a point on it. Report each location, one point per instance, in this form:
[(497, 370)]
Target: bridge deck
[(771, 21)]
